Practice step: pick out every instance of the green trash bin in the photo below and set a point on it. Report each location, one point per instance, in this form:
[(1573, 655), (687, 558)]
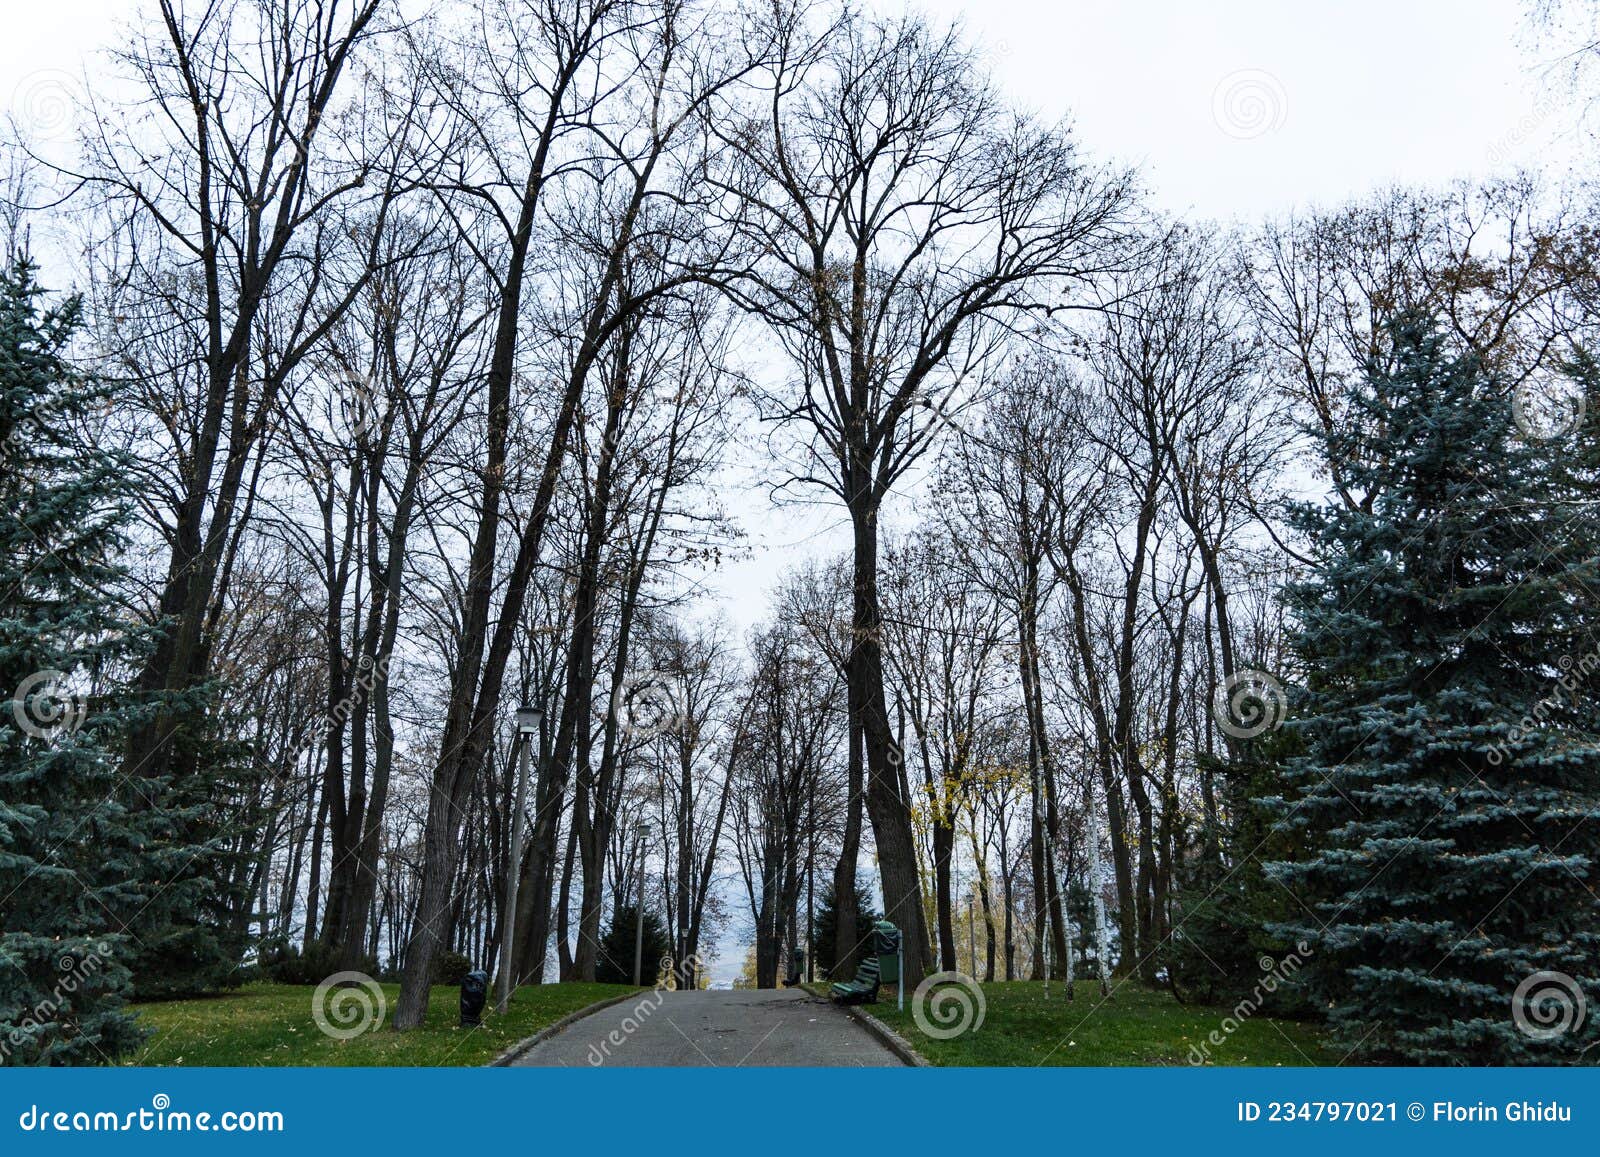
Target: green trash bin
[(887, 938)]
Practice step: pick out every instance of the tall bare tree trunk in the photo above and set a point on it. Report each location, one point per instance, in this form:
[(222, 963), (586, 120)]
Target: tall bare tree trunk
[(887, 803)]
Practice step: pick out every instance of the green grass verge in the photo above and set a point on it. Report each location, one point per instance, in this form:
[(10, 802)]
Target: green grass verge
[(1134, 1026), (271, 1024)]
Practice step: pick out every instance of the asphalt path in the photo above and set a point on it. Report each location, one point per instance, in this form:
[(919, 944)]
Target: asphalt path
[(755, 1027)]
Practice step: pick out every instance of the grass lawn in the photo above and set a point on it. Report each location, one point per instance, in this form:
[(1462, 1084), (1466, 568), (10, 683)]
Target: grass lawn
[(1134, 1026), (271, 1024)]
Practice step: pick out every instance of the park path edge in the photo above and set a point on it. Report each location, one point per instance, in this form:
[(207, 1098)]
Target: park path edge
[(514, 1051)]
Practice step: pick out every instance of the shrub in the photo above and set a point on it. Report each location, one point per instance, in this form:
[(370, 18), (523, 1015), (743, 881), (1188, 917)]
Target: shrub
[(450, 968), (285, 963)]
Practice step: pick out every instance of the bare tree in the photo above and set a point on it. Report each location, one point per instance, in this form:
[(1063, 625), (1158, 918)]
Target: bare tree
[(907, 217), (942, 635), (231, 204), (637, 151)]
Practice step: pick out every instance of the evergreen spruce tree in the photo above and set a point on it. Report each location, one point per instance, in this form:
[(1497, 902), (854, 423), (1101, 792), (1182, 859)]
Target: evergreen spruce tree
[(193, 930), (70, 849), (828, 920), (1229, 931), (615, 965), (1451, 783)]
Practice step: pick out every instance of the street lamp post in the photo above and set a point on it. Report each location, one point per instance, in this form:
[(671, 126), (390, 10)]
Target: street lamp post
[(528, 721), (972, 933), (638, 912)]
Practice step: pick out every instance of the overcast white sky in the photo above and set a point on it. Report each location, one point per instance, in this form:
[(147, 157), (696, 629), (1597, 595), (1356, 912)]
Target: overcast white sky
[(1365, 91), (1233, 109)]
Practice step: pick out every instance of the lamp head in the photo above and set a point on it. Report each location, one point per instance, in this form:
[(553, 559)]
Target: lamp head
[(528, 720)]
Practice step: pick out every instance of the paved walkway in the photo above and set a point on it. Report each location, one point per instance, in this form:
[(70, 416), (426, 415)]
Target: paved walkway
[(765, 1027)]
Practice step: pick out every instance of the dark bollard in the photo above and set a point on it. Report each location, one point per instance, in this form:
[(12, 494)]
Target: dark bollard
[(474, 987)]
